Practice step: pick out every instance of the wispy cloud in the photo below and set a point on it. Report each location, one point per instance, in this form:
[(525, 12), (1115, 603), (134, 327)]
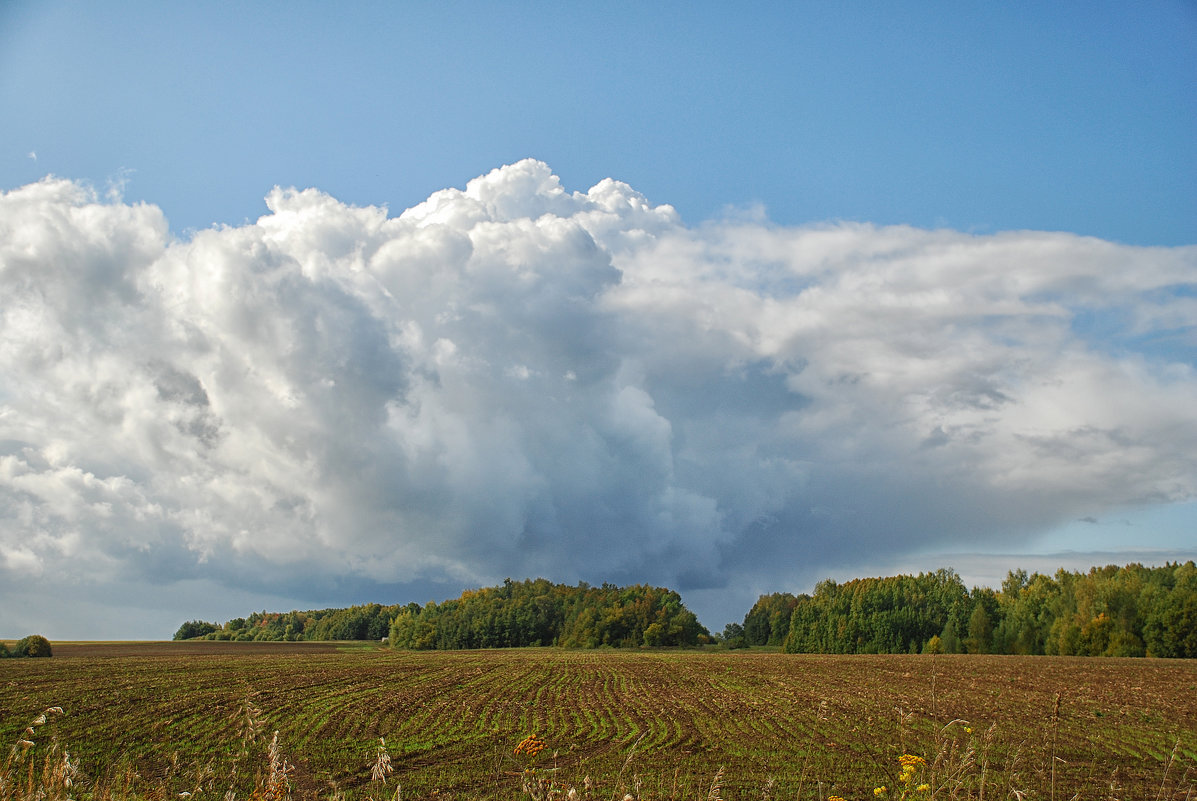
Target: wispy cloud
[(518, 380)]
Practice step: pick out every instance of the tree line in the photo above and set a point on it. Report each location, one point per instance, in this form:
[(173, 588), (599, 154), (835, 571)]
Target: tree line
[(537, 612), (1109, 611), (515, 614), (364, 622)]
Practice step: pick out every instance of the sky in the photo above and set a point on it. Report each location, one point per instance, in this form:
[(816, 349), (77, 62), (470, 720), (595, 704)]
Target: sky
[(304, 306)]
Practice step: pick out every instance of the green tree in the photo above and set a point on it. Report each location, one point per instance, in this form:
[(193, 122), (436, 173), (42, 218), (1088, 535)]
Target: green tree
[(1169, 609), (654, 634), (733, 636), (768, 622), (195, 628), (531, 613), (980, 631), (1109, 611), (35, 645)]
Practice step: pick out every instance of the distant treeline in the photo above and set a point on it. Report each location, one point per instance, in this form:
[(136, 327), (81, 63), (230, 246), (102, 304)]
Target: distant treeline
[(366, 622), (531, 613), (1109, 611), (512, 615)]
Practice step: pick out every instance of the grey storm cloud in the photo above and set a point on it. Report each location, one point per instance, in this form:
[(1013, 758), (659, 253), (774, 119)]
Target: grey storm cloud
[(516, 380)]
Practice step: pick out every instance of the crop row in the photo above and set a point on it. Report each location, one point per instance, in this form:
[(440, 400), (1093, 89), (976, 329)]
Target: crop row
[(809, 724)]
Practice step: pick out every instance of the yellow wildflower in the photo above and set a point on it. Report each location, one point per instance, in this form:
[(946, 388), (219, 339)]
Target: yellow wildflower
[(922, 788), (880, 791)]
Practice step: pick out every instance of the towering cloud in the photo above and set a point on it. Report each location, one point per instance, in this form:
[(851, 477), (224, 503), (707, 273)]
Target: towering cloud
[(516, 380)]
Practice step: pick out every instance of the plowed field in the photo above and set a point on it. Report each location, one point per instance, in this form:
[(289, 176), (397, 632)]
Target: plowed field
[(655, 724)]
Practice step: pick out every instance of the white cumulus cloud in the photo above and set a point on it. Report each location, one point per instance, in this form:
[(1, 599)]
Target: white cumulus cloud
[(517, 380)]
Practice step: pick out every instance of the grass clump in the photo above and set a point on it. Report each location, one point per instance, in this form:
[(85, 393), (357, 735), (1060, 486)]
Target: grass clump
[(31, 773)]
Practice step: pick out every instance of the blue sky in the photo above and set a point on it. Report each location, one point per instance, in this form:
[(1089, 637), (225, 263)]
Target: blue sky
[(1065, 116), (876, 287)]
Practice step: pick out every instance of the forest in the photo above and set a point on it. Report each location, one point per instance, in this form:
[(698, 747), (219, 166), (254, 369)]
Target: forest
[(364, 622), (1109, 611), (531, 613), (515, 614)]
